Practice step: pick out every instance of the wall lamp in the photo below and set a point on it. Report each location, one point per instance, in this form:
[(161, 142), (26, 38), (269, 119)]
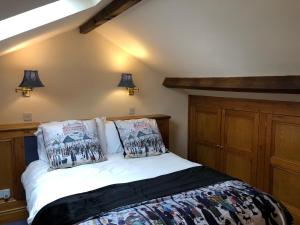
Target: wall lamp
[(127, 82), (30, 81)]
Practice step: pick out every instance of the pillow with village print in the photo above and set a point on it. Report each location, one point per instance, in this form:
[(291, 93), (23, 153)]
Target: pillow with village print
[(72, 143), (140, 138)]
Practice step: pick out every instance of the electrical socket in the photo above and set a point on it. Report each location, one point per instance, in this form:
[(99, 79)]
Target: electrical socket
[(27, 116), (5, 194)]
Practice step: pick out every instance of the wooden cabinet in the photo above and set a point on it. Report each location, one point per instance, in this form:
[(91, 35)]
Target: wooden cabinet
[(225, 139), (206, 133), (239, 144), (255, 141), (283, 160)]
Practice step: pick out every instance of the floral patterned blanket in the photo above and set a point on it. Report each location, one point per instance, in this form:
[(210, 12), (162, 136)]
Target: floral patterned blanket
[(197, 195)]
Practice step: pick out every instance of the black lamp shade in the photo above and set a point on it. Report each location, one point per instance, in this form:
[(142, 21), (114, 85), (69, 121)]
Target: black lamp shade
[(31, 79), (126, 81)]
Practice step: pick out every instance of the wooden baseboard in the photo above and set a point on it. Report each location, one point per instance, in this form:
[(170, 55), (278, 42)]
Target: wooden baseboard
[(13, 211)]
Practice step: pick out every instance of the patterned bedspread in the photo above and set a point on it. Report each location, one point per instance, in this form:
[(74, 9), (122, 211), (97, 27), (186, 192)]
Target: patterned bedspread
[(230, 202), (197, 195)]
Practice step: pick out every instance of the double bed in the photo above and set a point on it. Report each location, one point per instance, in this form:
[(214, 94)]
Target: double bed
[(162, 189)]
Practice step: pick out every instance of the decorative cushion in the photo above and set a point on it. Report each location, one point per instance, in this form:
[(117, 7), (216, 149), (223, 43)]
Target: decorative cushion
[(112, 138), (140, 138), (71, 143)]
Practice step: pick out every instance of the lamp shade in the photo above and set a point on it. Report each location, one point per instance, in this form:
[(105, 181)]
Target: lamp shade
[(31, 79), (126, 81)]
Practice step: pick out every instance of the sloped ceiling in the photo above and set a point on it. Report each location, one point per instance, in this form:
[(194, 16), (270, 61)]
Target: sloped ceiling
[(10, 8), (211, 37), (14, 7)]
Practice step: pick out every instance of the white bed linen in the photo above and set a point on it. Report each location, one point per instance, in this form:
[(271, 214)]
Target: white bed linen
[(43, 187)]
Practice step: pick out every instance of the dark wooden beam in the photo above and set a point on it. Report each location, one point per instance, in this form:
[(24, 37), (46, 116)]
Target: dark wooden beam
[(271, 84), (115, 8)]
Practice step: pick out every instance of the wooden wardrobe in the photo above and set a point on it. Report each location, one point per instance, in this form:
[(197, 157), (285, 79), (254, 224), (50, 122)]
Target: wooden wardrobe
[(254, 140)]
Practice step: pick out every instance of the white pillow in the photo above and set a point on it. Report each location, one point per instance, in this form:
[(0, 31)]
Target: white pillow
[(40, 145), (112, 138), (100, 122)]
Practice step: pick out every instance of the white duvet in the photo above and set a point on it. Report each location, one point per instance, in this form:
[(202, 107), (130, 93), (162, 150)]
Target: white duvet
[(43, 187)]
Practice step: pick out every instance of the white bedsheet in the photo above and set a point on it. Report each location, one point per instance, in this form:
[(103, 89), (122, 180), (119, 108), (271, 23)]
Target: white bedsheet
[(43, 187)]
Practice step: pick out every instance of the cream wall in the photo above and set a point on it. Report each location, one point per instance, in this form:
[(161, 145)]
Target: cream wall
[(200, 38), (81, 73)]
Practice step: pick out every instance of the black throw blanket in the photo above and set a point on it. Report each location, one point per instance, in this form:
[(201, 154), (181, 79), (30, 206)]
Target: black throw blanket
[(75, 208)]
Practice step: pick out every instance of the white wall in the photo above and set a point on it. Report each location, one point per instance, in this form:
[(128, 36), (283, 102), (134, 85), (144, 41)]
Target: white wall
[(212, 37), (81, 73)]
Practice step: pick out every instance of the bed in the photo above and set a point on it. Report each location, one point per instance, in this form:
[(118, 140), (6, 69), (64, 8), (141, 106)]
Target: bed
[(163, 189)]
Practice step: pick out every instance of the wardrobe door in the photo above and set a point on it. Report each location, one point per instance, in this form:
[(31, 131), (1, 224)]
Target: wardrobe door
[(205, 134), (239, 144), (283, 161)]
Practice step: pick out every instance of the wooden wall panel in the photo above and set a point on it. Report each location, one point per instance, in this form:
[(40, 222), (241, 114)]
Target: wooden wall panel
[(207, 126), (238, 167), (283, 159), (239, 130), (287, 141), (12, 164), (286, 186), (19, 166), (6, 159), (206, 136), (240, 141), (207, 155), (260, 143)]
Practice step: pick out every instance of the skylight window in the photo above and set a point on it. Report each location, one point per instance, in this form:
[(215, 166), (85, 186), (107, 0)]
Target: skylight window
[(42, 15)]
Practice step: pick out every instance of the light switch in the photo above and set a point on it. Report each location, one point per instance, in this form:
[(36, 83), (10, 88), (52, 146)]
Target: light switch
[(27, 116), (131, 111)]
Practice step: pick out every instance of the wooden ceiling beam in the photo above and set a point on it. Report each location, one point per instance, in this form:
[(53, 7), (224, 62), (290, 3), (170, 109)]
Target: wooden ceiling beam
[(271, 84), (115, 8)]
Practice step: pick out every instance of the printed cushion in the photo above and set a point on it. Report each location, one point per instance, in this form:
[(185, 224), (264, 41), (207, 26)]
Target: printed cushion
[(72, 143), (140, 138)]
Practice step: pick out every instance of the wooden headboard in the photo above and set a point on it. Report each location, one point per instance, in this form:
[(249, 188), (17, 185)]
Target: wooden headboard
[(13, 161)]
